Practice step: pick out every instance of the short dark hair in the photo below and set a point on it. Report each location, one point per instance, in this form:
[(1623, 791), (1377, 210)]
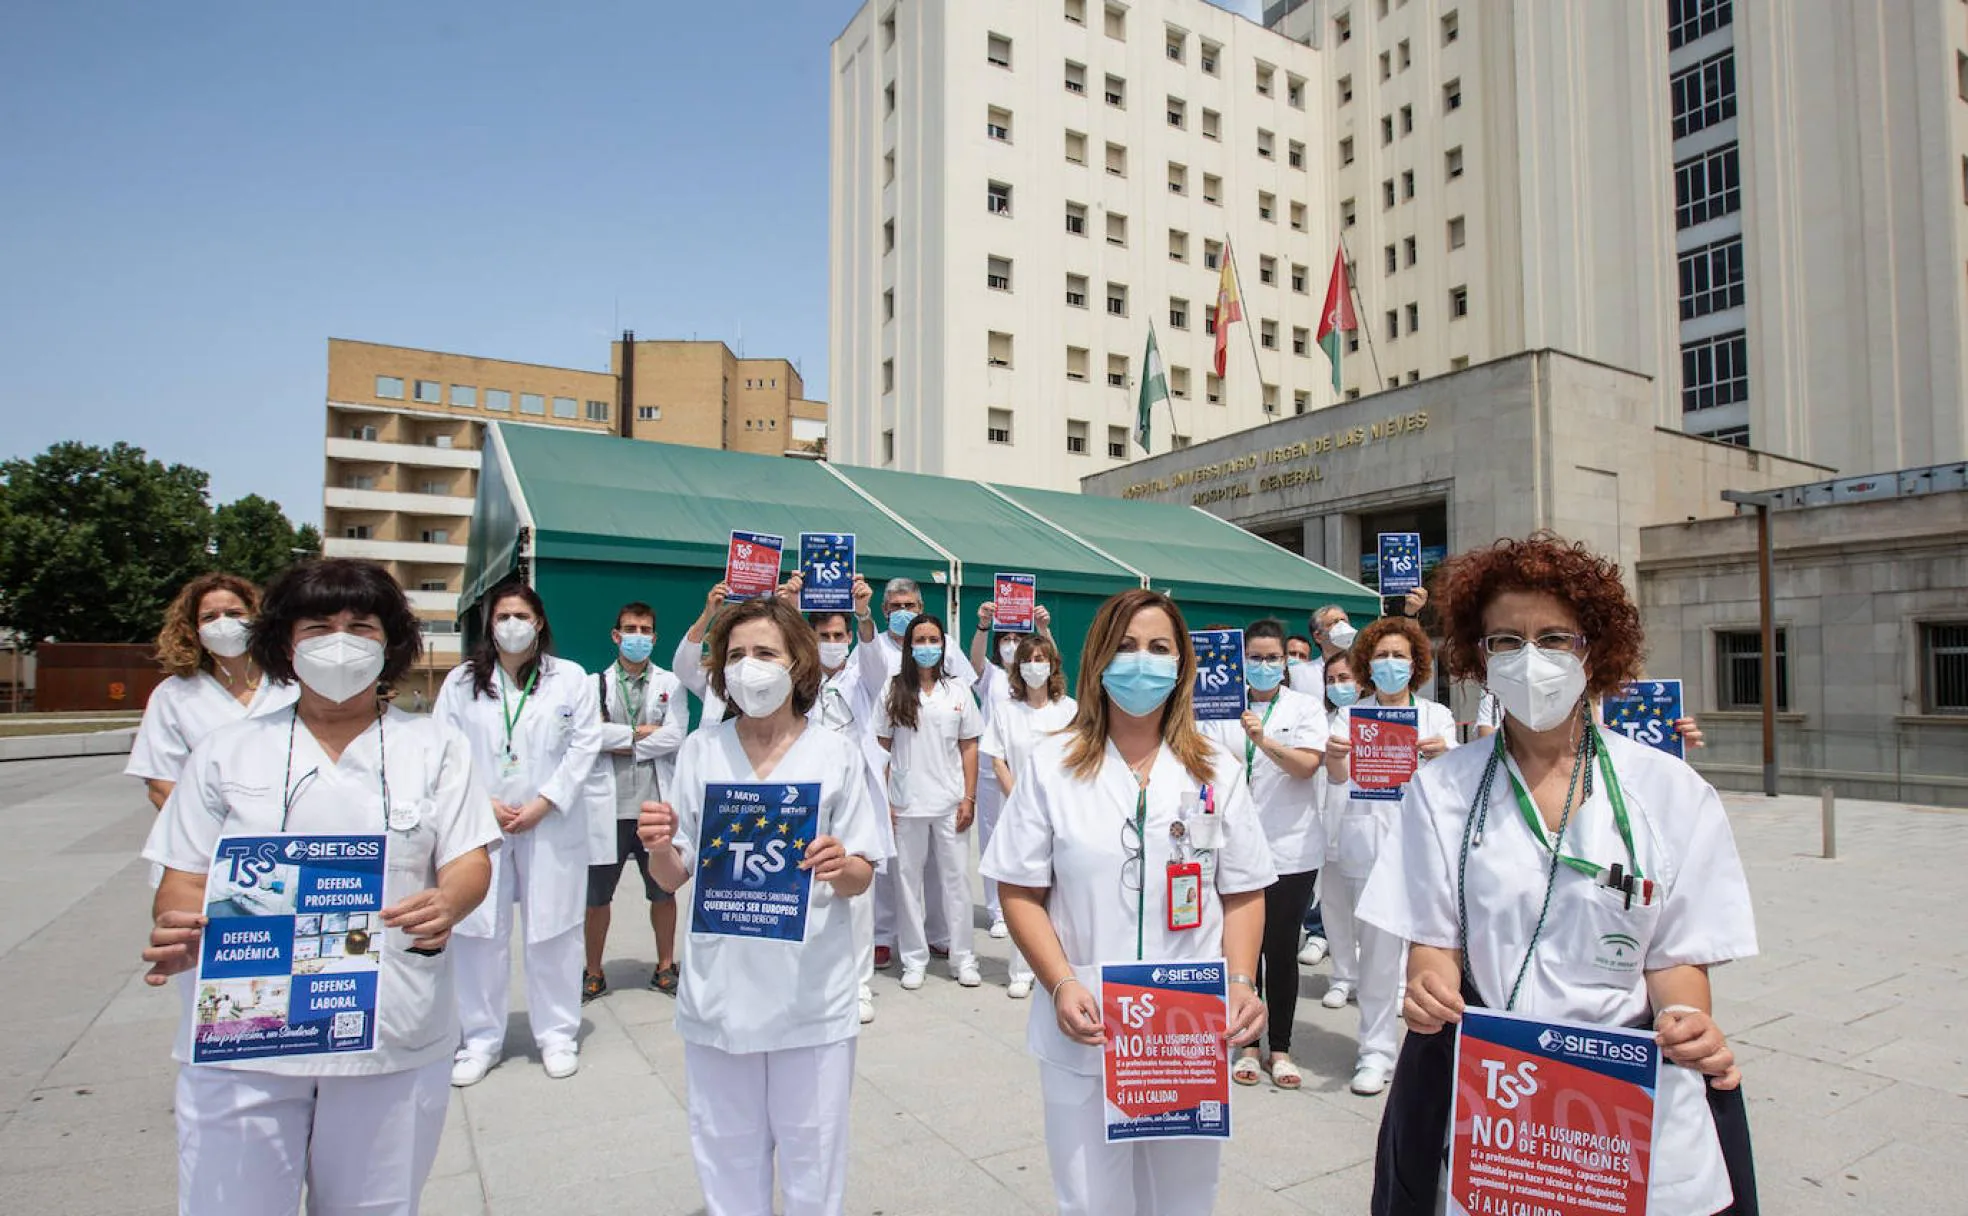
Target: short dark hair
[(634, 608), (817, 619), (1300, 638), (322, 588), (1270, 627)]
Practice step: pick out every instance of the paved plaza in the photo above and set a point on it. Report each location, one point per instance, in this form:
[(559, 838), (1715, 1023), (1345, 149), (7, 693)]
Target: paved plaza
[(1852, 1027)]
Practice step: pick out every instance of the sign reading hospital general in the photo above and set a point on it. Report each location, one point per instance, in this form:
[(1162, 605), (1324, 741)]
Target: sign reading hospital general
[(1166, 1066), (1015, 603), (1646, 711), (293, 941), (1400, 562), (749, 850), (1221, 695), (751, 565), (1386, 743), (826, 572), (1551, 1118)]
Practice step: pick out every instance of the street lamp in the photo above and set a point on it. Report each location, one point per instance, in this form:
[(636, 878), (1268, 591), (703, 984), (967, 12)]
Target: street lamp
[(1766, 612)]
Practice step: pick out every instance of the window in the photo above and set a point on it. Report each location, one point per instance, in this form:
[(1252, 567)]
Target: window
[(888, 98), (1352, 335), (1116, 91), (1407, 184), (1452, 96), (1117, 439), (1178, 178), (1944, 668), (1117, 160), (430, 391), (1712, 278), (1179, 382), (1117, 300), (1212, 125), (1403, 54), (1458, 232), (598, 411), (1387, 195), (363, 434), (1178, 313), (1178, 246), (1265, 72), (1178, 112), (1349, 213), (1707, 187), (1393, 328), (1076, 437), (1451, 27), (1301, 402), (1269, 396), (1342, 29), (1408, 250), (1386, 130), (1177, 46), (1209, 319), (1076, 291), (1301, 340), (1076, 363), (1298, 217), (1267, 334), (1076, 214), (356, 532), (1738, 435), (1961, 75), (1294, 92), (390, 386), (1704, 94), (1075, 148), (1299, 278), (432, 584), (1458, 363), (1346, 151), (997, 273), (997, 351), (1267, 269), (565, 407), (1076, 11), (997, 124), (888, 375), (1414, 317), (498, 400), (1715, 372), (1452, 162), (1392, 257), (1213, 388), (1458, 303), (888, 304), (1212, 255), (1075, 77), (649, 413), (1267, 206), (1117, 371), (436, 536), (888, 237), (1117, 229), (1212, 188), (1346, 89), (997, 50), (1386, 65), (359, 481), (888, 30), (1688, 20), (464, 396), (1211, 53), (532, 403), (1739, 669), (1295, 154), (1266, 144), (1407, 120), (1117, 23), (998, 199), (1178, 442), (997, 426)]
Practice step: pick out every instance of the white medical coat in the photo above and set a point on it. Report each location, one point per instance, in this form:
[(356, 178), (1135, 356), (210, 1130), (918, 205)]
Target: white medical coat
[(183, 710), (1287, 806), (1364, 823)]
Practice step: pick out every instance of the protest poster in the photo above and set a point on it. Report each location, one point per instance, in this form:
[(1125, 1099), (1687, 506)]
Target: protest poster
[(749, 846), (1166, 1066), (1551, 1117), (826, 562), (1400, 562), (288, 962), (1646, 711), (751, 565), (1016, 603), (1221, 694), (1386, 743)]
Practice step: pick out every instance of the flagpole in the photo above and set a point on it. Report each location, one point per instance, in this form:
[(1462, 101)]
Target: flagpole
[(1168, 397), (1360, 313), (1250, 331)]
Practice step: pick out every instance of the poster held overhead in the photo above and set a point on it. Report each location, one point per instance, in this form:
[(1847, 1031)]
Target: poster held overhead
[(751, 565), (826, 562), (1016, 600), (1221, 694), (1400, 562)]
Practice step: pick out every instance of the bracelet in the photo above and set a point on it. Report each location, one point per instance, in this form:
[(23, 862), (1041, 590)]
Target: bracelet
[(1245, 980), (1053, 992)]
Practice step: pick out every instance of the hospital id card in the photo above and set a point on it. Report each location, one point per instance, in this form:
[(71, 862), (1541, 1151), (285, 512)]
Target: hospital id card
[(1165, 1070), (291, 954), (1185, 896)]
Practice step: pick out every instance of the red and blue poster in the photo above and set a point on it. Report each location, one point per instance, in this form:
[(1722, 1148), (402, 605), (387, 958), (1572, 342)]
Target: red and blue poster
[(751, 565), (1386, 744), (1646, 711), (1555, 1118), (1221, 694), (1166, 1066), (749, 846), (1400, 562), (826, 572), (1015, 598)]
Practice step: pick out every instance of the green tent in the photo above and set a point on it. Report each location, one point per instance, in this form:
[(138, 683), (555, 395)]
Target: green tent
[(595, 521)]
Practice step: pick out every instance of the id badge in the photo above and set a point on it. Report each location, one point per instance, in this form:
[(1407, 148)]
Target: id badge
[(1185, 895), (1206, 833), (508, 766)]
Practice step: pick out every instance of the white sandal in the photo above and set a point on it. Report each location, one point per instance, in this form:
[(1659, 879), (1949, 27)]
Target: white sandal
[(1246, 1070), (1285, 1074)]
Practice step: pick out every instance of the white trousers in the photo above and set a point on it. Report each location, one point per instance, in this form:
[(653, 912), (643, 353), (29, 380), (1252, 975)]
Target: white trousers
[(250, 1141), (748, 1111), (1378, 973), (862, 917), (918, 843), (1091, 1177), (990, 805), (484, 977), (1337, 896), (886, 902)]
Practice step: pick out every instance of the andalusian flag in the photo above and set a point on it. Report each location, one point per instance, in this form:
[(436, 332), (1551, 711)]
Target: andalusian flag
[(1337, 319), (1154, 387), (1229, 306)]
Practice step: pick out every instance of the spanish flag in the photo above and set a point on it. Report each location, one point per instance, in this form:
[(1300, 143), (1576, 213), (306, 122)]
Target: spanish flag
[(1229, 306)]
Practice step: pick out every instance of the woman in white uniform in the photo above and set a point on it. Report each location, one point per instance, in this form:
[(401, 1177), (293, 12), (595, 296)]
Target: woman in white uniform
[(1101, 824), (1517, 860), (1038, 706), (994, 654), (930, 725), (358, 1130), (768, 1016), (534, 724), (1282, 742), (1396, 652), (1342, 940), (212, 679)]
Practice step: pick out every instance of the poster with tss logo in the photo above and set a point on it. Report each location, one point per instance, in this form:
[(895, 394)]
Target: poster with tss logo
[(1220, 692)]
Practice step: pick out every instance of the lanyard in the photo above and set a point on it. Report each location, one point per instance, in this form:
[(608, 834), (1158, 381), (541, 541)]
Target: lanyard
[(290, 790), (511, 714), (1621, 822), (1250, 744), (632, 713)]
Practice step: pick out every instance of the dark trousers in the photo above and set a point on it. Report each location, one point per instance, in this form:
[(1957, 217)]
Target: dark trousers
[(1285, 902)]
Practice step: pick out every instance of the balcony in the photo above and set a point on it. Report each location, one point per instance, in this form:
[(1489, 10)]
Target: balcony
[(375, 452), (397, 551), (386, 500), (434, 603)]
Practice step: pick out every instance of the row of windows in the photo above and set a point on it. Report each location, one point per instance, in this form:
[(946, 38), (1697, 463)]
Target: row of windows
[(998, 50), (1688, 20), (998, 277), (762, 382), (1114, 93), (1712, 278), (1000, 348), (1704, 94), (1411, 313), (1715, 372), (1707, 187), (1943, 666), (429, 536), (497, 400)]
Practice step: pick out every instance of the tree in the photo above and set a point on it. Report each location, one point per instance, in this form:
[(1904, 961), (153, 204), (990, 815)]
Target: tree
[(252, 538), (94, 542)]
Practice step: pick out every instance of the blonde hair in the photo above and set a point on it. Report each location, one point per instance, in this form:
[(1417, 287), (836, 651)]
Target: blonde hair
[(1087, 746), (179, 652)]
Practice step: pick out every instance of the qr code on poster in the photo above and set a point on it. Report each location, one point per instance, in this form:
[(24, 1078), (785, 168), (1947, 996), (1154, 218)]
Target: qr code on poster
[(1210, 1113), (348, 1025)]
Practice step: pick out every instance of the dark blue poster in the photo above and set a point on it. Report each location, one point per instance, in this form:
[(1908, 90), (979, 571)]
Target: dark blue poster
[(826, 571), (1400, 562), (1220, 690), (1646, 712), (749, 847)]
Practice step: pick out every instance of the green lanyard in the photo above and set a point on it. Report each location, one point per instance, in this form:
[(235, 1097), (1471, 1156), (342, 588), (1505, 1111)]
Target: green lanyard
[(633, 713), (511, 714), (1621, 822), (1141, 890), (1250, 744)]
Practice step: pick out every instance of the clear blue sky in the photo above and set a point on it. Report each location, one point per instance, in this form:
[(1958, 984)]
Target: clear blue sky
[(195, 196)]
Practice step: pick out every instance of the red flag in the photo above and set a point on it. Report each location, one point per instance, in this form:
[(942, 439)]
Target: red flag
[(1229, 307), (1337, 318)]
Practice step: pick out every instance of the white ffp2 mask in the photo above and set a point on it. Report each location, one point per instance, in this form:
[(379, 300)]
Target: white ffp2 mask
[(758, 688), (515, 636), (338, 666), (226, 637), (1539, 688)]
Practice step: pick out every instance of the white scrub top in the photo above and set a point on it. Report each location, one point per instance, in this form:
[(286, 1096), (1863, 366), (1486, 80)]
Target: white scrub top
[(1364, 823), (1307, 676), (183, 710), (1580, 971), (1016, 728), (556, 740), (742, 994), (232, 787), (993, 691), (925, 769), (688, 664), (640, 765), (1287, 806), (1075, 838)]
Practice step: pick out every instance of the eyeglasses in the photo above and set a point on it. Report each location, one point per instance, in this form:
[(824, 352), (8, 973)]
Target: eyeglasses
[(1556, 641), (1131, 868)]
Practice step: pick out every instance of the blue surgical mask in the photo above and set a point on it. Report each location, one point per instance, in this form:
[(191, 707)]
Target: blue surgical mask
[(636, 647), (927, 656), (898, 621), (1139, 682), (1342, 694), (1392, 675), (1264, 674)]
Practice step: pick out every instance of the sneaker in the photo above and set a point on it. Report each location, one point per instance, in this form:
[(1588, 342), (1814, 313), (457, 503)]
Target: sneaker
[(560, 1062), (867, 1005), (469, 1069), (967, 974), (1018, 990), (665, 980), (883, 957), (593, 984), (1369, 1080), (1314, 952), (1337, 996), (999, 930), (912, 978)]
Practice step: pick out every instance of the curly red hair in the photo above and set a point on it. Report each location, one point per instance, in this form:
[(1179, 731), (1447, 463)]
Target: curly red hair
[(1360, 654), (1587, 583)]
